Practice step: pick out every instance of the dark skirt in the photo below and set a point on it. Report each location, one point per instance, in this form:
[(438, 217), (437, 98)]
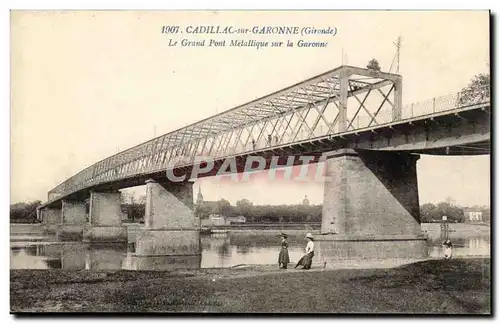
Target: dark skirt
[(283, 257), (306, 260)]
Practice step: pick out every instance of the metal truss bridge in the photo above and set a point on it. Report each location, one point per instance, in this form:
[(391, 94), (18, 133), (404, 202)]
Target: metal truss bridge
[(347, 107)]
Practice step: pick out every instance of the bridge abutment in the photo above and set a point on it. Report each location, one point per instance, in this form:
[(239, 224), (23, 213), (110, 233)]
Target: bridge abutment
[(371, 207), (169, 238), (105, 217)]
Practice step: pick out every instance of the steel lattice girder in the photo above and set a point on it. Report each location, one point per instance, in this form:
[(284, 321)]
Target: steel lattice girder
[(269, 116)]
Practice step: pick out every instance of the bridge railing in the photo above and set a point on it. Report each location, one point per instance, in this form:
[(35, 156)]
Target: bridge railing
[(449, 102), (435, 105)]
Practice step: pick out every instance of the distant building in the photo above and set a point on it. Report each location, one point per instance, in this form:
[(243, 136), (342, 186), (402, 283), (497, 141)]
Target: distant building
[(305, 201), (218, 220), (473, 215), (212, 206), (199, 198), (215, 220)]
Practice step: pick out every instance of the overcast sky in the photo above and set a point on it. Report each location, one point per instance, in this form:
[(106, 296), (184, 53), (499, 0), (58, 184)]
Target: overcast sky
[(87, 84)]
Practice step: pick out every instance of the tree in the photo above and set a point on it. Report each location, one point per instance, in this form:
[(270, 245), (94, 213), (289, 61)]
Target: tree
[(453, 213), (373, 65), (244, 206), (132, 206), (24, 212), (476, 91), (203, 211), (125, 197), (130, 198), (141, 200), (486, 213), (430, 213)]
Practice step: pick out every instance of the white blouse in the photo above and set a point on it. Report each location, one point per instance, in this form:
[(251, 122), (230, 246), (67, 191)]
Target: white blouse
[(310, 247)]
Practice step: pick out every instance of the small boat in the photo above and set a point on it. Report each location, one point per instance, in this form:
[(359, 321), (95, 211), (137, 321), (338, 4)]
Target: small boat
[(219, 231)]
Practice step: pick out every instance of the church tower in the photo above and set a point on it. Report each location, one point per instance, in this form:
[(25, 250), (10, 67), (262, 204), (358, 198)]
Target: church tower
[(199, 197)]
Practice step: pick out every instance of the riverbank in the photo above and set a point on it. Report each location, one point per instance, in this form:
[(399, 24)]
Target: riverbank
[(434, 286)]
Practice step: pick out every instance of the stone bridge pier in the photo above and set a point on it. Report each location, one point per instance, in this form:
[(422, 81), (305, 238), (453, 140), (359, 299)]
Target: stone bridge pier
[(67, 222), (105, 219), (371, 207), (74, 218), (169, 238), (51, 220)]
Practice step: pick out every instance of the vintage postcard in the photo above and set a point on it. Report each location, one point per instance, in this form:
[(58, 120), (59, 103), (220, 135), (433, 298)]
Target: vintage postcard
[(222, 161)]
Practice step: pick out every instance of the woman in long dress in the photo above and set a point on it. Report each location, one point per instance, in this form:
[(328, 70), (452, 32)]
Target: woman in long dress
[(283, 258), (306, 260)]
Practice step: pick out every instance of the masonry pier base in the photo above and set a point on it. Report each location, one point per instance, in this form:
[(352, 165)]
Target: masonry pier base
[(169, 239), (371, 208), (51, 220), (73, 220), (105, 219)]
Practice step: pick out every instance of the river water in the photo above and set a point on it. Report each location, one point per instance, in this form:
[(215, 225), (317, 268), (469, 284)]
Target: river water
[(222, 250)]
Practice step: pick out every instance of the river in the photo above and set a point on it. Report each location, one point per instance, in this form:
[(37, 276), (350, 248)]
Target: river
[(30, 251)]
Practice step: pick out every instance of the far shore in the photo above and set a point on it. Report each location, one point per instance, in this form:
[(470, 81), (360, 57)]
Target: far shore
[(458, 230)]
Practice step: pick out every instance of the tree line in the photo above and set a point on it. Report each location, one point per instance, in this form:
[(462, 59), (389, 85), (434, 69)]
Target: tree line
[(24, 212), (261, 213), (433, 213), (134, 209)]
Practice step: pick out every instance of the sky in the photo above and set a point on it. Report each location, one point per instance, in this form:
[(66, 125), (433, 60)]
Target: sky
[(85, 85)]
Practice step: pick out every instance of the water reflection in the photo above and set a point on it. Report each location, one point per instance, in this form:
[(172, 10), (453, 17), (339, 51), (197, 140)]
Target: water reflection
[(73, 256), (477, 246), (19, 259), (106, 257), (166, 262), (217, 251)]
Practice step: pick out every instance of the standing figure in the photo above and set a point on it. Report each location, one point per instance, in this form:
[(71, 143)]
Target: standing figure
[(306, 260), (447, 249), (283, 258)]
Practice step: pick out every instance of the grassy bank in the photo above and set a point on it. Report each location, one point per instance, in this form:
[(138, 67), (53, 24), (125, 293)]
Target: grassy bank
[(435, 286)]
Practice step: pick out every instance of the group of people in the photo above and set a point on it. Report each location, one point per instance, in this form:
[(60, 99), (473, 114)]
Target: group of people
[(305, 261)]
